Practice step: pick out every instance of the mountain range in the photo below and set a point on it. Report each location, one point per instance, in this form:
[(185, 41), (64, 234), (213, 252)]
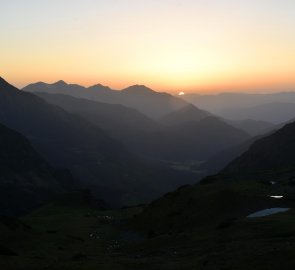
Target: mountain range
[(140, 97), (97, 160), (183, 135)]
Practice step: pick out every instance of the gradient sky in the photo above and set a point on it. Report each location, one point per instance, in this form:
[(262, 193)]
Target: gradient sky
[(169, 45)]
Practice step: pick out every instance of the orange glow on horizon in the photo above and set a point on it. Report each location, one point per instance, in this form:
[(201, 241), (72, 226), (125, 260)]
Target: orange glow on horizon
[(169, 45)]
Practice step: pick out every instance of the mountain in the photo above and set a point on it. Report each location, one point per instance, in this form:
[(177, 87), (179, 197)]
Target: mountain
[(68, 141), (26, 179), (139, 97), (274, 152), (252, 127), (149, 102), (126, 125)]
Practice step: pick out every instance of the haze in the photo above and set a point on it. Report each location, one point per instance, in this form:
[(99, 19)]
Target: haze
[(169, 45)]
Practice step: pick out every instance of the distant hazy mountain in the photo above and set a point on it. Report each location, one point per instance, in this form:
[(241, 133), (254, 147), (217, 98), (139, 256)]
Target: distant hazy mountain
[(275, 108), (252, 127), (26, 179), (145, 100), (66, 140), (219, 102), (270, 112)]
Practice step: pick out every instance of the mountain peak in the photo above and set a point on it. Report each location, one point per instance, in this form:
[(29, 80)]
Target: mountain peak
[(138, 88), (60, 83), (99, 86)]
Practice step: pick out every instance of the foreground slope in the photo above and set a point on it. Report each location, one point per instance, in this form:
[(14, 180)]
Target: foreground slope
[(276, 151)]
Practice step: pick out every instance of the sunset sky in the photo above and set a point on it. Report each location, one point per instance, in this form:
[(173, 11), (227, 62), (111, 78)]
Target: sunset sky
[(168, 45)]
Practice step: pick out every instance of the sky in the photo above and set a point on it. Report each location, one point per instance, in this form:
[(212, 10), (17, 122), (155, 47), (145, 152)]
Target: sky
[(169, 45)]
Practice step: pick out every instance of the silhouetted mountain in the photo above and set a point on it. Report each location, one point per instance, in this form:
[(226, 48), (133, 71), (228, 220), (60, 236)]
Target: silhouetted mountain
[(151, 103), (252, 127), (274, 152), (26, 180), (145, 100), (68, 141), (75, 90)]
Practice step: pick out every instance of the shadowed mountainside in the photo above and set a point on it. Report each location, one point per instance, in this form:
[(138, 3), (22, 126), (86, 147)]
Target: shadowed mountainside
[(274, 151), (26, 179)]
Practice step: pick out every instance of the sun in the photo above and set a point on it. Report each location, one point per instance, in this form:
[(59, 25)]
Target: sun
[(181, 93)]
